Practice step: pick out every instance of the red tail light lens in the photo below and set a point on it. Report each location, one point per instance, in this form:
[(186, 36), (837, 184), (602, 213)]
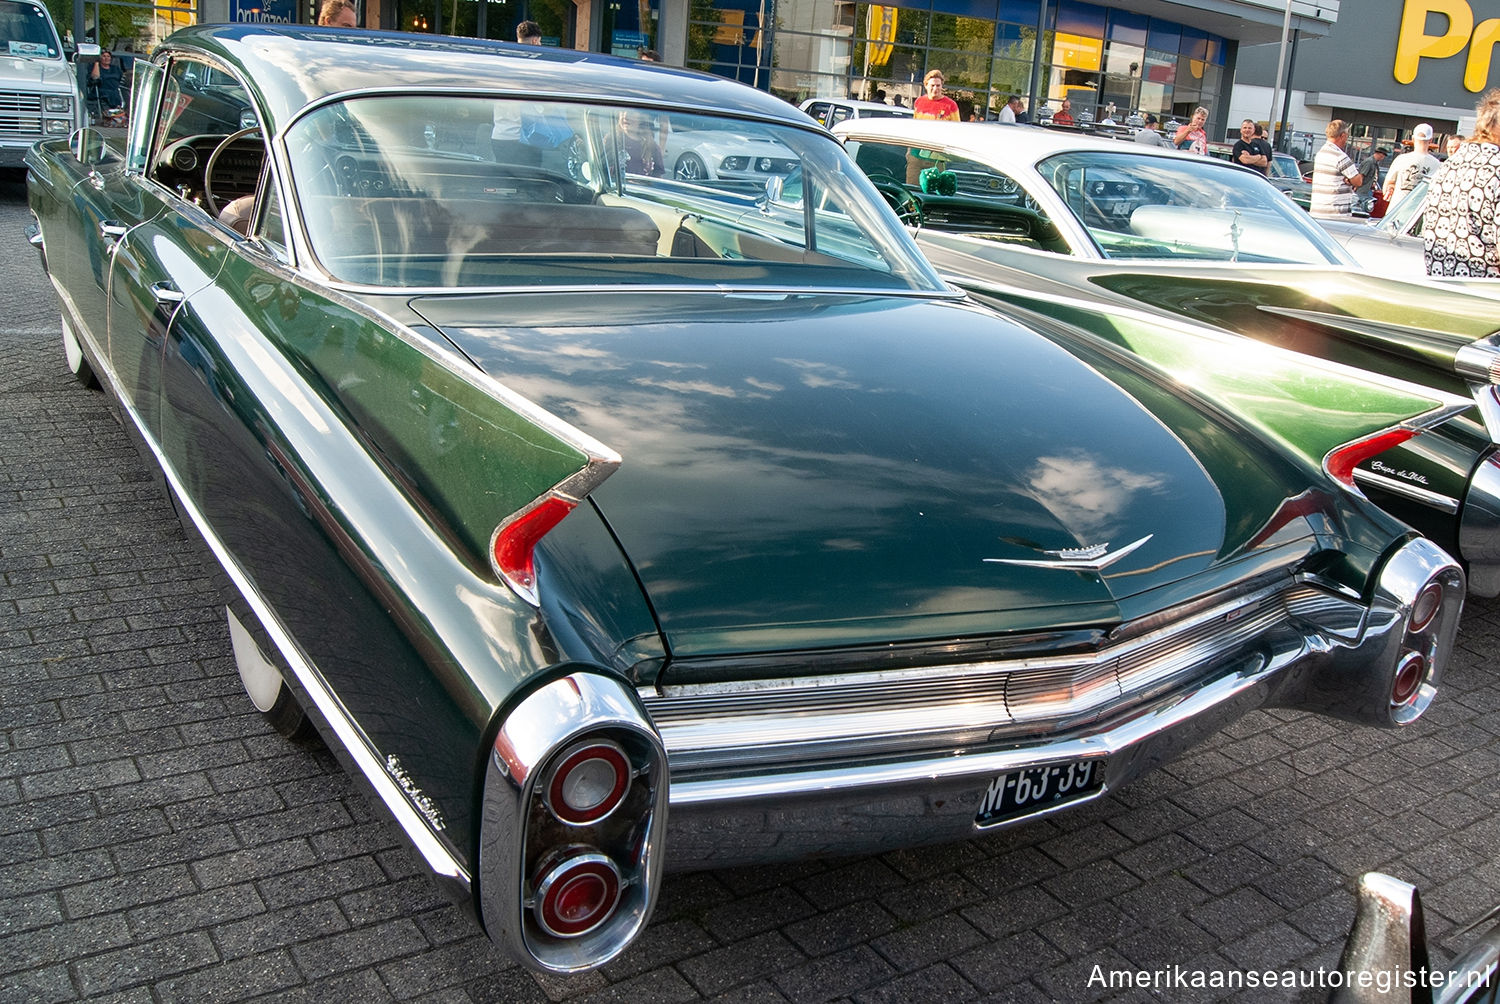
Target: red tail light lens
[(589, 783), (1408, 680), (578, 895), (516, 539), (1428, 602), (1340, 463)]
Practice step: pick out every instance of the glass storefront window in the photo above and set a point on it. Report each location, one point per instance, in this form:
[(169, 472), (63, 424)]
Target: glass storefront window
[(963, 34), (629, 26), (726, 37), (1013, 41), (1126, 28), (1122, 74), (1095, 55)]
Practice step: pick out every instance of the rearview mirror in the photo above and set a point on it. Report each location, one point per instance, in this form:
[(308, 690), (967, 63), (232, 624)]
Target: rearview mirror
[(87, 50)]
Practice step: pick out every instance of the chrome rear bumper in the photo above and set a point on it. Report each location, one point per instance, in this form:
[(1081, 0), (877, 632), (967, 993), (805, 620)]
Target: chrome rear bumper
[(1343, 667)]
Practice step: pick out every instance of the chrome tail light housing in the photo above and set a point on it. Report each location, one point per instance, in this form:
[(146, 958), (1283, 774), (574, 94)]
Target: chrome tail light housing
[(1414, 613), (573, 824)]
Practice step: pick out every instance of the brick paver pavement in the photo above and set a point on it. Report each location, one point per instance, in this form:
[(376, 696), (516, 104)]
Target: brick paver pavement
[(159, 843)]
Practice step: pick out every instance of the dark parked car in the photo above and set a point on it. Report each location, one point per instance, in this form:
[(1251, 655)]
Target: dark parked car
[(604, 520), (1196, 238)]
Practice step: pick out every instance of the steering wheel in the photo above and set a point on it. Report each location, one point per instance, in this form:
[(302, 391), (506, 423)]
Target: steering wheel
[(212, 162), (906, 203)]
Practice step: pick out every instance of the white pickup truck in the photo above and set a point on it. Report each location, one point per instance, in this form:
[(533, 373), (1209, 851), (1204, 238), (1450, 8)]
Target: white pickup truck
[(39, 93)]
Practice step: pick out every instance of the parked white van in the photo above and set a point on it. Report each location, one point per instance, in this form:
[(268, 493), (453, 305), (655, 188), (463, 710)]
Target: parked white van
[(39, 93)]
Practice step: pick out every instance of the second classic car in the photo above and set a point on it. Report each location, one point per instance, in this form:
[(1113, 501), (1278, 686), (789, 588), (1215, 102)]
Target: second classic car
[(1068, 217), (603, 521)]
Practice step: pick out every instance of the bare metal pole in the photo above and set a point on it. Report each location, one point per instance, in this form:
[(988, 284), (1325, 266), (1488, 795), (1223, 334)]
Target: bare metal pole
[(1286, 29)]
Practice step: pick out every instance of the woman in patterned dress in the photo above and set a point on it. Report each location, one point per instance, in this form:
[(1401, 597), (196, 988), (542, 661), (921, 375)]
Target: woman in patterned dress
[(1461, 220)]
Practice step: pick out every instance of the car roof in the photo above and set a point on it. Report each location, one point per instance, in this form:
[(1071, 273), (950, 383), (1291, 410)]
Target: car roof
[(993, 142), (857, 105), (292, 66)]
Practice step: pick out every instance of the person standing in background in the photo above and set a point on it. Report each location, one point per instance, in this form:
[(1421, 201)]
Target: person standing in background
[(1411, 167), (1149, 135), (338, 14), (1064, 114), (1455, 142), (1461, 221), (1250, 151), (934, 104), (505, 135), (1334, 175), (1010, 110), (1369, 170), (1193, 137)]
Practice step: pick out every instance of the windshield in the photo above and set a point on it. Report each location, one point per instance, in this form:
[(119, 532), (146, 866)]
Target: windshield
[(1284, 165), (1405, 216), (426, 191), (1184, 208), (25, 31)]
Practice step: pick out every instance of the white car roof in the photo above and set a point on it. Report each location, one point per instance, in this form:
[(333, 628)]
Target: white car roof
[(895, 111), (992, 142)]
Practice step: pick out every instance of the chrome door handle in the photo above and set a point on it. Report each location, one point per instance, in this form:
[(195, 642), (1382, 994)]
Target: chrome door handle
[(111, 230), (165, 293)]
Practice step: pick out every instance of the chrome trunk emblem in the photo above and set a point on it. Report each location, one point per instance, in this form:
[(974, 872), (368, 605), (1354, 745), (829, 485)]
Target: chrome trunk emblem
[(1093, 558)]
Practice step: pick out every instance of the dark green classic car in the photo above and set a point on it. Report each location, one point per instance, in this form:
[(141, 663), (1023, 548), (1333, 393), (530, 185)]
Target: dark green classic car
[(1040, 220), (603, 520)]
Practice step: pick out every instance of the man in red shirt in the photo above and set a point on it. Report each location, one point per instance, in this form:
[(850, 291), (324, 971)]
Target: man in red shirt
[(932, 105), (935, 104)]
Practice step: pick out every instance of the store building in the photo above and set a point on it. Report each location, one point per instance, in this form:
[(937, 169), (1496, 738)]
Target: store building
[(1397, 64), (1153, 55)]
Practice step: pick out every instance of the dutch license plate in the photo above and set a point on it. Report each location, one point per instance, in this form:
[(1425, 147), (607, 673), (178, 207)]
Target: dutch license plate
[(1022, 792)]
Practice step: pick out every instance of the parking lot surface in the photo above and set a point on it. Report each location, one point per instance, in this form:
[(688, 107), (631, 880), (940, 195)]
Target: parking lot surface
[(159, 842)]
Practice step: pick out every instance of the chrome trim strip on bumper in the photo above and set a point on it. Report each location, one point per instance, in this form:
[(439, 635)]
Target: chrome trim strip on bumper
[(931, 708)]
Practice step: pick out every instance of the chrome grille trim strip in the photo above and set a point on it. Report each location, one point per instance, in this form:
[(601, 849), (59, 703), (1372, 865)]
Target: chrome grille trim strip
[(809, 719)]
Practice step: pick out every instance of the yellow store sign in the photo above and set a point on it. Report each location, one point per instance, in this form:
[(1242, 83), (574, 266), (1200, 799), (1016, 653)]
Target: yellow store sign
[(1414, 43)]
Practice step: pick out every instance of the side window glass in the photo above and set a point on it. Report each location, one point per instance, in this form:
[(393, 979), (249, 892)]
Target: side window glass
[(272, 228), (208, 147), (839, 115)]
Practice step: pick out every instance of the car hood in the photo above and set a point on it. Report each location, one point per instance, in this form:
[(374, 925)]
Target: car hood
[(824, 470), (1378, 251), (47, 74)]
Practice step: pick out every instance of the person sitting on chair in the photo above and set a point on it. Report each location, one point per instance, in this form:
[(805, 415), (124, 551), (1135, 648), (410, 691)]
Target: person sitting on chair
[(105, 75)]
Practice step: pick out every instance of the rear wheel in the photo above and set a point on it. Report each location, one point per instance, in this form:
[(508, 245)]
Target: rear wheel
[(690, 167), (78, 363), (264, 684)]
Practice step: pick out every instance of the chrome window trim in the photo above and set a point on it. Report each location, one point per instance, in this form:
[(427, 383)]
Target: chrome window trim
[(715, 289)]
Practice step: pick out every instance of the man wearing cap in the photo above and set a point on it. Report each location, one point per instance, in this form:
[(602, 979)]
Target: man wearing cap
[(1148, 133), (1409, 168)]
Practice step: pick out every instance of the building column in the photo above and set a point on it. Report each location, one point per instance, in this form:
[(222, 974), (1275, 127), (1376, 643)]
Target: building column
[(672, 31)]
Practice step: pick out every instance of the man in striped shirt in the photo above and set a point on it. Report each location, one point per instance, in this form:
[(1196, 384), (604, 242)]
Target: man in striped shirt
[(1335, 177)]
